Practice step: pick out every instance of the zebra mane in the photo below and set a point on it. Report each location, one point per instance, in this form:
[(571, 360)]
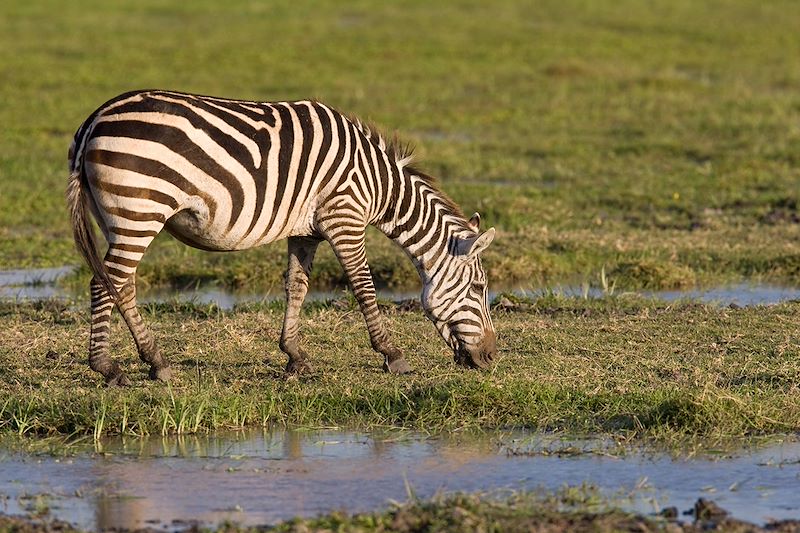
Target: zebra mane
[(401, 152), (433, 183), (403, 155)]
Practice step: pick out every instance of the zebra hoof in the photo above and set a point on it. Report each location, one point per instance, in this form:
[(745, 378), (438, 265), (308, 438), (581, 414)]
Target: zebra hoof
[(160, 374), (118, 380), (297, 367), (398, 366)]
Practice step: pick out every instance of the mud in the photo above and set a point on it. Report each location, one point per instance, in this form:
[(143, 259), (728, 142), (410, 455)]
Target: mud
[(451, 515)]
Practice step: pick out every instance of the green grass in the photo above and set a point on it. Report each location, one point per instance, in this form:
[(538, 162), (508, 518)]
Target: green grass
[(618, 365), (657, 139)]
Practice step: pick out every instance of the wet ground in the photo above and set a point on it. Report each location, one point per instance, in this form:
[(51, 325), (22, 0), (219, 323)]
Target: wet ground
[(263, 477), (39, 284)]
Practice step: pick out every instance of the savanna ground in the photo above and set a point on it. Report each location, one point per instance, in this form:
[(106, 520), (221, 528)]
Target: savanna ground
[(657, 139), (620, 365), (657, 142)]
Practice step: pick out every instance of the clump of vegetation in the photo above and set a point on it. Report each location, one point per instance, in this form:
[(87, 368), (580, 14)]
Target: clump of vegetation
[(580, 509), (574, 509), (649, 274)]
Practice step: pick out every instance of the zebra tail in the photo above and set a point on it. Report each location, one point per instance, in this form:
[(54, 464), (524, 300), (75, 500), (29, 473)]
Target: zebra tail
[(82, 231)]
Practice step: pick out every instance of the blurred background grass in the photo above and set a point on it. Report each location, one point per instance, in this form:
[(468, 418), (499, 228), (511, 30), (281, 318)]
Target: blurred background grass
[(658, 140)]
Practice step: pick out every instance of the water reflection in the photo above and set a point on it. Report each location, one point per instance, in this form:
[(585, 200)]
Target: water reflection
[(32, 284), (258, 478), (262, 477), (41, 284), (742, 294)]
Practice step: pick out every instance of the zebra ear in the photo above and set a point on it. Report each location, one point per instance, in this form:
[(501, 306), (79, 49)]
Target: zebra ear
[(475, 223), (475, 245)]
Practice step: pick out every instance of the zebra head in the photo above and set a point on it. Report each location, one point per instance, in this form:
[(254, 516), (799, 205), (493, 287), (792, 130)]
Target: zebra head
[(456, 298)]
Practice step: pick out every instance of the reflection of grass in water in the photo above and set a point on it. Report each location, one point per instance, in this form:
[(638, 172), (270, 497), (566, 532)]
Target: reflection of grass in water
[(626, 367), (652, 139)]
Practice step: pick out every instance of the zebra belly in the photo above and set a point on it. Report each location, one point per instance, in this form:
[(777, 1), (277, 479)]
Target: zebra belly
[(192, 226)]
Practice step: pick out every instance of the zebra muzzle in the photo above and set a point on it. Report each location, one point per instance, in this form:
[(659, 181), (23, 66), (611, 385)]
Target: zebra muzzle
[(480, 355)]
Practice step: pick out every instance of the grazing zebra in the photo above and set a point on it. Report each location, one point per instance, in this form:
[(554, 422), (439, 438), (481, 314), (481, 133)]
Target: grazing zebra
[(222, 174)]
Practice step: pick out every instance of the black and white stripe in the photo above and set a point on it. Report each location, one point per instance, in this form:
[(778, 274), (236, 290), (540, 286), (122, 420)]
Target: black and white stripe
[(223, 174)]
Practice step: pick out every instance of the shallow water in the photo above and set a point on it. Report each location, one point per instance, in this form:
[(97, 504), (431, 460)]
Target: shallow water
[(41, 284), (263, 477), (741, 294), (33, 283)]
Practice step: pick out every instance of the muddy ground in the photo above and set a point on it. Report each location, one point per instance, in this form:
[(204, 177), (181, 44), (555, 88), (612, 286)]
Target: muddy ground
[(471, 513)]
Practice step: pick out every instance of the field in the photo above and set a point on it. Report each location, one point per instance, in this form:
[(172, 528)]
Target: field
[(626, 367), (658, 140), (620, 145)]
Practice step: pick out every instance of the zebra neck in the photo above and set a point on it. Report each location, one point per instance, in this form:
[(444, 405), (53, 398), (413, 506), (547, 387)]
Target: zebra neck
[(424, 224)]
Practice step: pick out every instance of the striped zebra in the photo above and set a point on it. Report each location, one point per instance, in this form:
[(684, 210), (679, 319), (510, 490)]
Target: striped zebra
[(221, 174)]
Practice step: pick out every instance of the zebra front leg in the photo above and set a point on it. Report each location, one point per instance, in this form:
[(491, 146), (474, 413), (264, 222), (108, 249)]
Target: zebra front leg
[(99, 360), (348, 245), (145, 343), (301, 257)]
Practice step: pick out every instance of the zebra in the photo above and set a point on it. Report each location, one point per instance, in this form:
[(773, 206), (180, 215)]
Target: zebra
[(222, 175)]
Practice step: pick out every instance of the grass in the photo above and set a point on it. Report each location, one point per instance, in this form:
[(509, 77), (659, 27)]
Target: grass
[(658, 140), (655, 143), (619, 365)]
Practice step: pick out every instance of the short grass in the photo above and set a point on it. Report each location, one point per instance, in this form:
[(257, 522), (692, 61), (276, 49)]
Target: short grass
[(621, 366), (658, 139)]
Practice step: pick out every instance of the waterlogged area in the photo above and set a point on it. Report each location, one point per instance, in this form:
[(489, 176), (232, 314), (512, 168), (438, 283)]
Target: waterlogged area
[(33, 284), (739, 294), (41, 284), (259, 477)]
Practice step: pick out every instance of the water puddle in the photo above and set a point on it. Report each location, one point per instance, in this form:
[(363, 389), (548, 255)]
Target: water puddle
[(257, 478), (741, 294), (32, 284), (42, 284)]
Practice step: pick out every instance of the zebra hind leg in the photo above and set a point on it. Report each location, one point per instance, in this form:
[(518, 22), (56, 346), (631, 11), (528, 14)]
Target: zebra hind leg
[(99, 360), (121, 262), (145, 343), (301, 257)]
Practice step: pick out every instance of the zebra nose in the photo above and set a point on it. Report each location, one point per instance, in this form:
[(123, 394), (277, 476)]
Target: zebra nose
[(488, 348), (479, 355)]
